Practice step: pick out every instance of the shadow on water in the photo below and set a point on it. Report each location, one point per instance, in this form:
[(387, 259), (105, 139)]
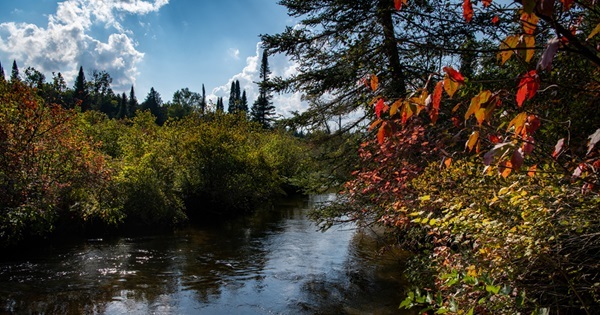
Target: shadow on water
[(273, 262)]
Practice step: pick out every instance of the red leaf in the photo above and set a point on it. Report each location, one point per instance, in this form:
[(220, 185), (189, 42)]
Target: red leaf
[(495, 20), (456, 121), (517, 159), (533, 124), (528, 87), (494, 139), (566, 4), (454, 75), (467, 10), (398, 4), (380, 107), (528, 145), (381, 133), (558, 148), (487, 3), (437, 98)]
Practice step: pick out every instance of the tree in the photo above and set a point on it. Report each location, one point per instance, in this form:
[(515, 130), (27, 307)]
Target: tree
[(244, 102), (263, 109), (81, 90), (34, 78), (132, 105), (123, 103), (203, 102), (232, 104), (184, 103), (2, 77), (154, 103), (14, 76), (220, 106), (102, 94)]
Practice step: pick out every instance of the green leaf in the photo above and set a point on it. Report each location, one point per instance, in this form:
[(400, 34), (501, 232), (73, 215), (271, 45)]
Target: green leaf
[(492, 289)]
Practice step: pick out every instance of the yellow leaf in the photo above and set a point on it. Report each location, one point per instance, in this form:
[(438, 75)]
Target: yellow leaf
[(595, 31), (507, 48), (472, 140), (476, 102), (529, 42), (518, 122), (450, 86), (395, 106)]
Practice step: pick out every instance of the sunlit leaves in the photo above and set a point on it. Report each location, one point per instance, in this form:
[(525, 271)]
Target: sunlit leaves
[(558, 148), (380, 107), (437, 98), (528, 87), (374, 82), (518, 123), (473, 140), (452, 80), (467, 10), (507, 48), (595, 31), (529, 22)]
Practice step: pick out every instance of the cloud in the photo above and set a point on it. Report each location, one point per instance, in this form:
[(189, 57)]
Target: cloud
[(279, 65), (67, 41), (234, 53)]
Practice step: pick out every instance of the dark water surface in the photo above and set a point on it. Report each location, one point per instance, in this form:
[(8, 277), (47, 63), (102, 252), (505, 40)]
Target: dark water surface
[(273, 262)]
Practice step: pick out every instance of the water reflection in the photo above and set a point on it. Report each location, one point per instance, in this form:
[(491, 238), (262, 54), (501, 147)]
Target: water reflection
[(274, 262)]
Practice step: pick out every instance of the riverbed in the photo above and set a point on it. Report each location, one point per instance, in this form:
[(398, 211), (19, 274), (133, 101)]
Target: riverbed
[(275, 261)]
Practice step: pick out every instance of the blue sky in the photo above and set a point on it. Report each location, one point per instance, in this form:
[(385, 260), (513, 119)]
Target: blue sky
[(165, 44)]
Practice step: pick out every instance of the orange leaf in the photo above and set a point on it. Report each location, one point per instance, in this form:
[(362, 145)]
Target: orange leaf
[(529, 21), (495, 20), (532, 170), (394, 107), (381, 133), (448, 162), (519, 123), (437, 98), (374, 82), (487, 3), (472, 140), (505, 168), (375, 124), (467, 10), (494, 138), (476, 102)]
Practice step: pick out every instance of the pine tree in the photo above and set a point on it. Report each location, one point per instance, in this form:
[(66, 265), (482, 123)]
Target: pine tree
[(2, 78), (244, 102), (123, 104), (132, 105), (14, 76), (220, 106), (263, 109), (82, 95), (238, 96), (153, 103), (203, 102), (231, 108)]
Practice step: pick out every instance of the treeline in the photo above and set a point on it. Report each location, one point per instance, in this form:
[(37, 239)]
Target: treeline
[(95, 93), (74, 162)]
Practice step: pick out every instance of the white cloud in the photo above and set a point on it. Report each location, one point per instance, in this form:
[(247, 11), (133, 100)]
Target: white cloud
[(279, 65), (234, 53), (67, 41)]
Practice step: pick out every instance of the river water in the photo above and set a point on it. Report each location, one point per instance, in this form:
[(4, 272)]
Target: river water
[(273, 262)]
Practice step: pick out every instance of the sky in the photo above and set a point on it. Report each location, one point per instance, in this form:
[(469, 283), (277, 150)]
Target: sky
[(165, 44)]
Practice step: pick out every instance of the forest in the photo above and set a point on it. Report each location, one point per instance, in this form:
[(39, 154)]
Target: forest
[(473, 144)]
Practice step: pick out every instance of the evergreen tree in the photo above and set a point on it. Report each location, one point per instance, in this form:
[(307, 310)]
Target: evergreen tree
[(154, 103), (238, 95), (244, 102), (232, 108), (82, 95), (2, 78), (132, 104), (14, 76), (203, 102), (220, 106), (123, 106), (263, 109)]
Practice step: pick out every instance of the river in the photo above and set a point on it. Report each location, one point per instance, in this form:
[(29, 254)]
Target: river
[(272, 262)]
